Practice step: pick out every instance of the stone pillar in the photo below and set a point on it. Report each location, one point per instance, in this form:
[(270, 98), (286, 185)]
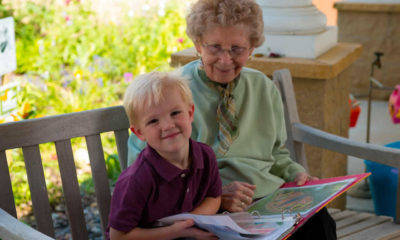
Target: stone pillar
[(295, 28), (322, 94), (376, 25)]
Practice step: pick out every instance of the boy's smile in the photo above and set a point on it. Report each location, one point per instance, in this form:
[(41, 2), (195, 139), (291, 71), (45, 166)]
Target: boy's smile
[(167, 126), (170, 135)]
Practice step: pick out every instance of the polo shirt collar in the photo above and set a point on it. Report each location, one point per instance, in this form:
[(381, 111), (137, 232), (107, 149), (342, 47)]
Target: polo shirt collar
[(167, 170)]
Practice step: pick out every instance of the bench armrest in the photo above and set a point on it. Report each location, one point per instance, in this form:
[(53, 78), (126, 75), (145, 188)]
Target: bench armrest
[(12, 229), (373, 152)]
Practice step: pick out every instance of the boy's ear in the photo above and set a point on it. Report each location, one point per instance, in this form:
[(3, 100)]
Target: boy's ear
[(138, 133), (191, 112)]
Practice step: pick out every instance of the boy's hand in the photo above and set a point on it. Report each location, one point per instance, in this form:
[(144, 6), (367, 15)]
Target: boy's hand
[(186, 228)]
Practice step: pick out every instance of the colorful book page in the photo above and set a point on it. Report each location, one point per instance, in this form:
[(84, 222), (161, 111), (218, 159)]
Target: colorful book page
[(293, 200)]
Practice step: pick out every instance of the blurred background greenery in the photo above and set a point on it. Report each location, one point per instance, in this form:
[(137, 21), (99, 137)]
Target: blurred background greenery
[(72, 56)]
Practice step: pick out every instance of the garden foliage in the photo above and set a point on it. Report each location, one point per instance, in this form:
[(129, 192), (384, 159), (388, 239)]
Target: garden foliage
[(70, 59)]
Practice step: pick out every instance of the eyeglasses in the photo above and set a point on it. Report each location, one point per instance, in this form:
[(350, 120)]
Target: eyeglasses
[(217, 50)]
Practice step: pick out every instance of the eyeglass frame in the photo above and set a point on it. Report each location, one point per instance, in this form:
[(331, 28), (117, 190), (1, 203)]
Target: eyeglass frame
[(219, 50)]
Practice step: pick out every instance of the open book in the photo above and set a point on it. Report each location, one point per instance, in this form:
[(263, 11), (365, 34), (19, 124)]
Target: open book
[(277, 215)]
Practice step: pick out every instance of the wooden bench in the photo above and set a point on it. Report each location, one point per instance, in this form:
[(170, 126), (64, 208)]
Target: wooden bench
[(29, 134)]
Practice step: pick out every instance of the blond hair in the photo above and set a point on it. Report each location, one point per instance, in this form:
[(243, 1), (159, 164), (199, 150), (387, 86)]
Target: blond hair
[(149, 89), (207, 14)]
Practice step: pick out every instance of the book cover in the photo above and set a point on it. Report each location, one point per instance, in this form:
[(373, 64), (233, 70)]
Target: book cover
[(277, 215)]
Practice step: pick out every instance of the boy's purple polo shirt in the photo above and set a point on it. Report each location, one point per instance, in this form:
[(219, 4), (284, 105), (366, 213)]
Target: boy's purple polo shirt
[(152, 188)]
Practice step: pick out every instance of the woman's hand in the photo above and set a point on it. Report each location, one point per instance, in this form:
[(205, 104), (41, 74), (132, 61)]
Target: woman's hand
[(236, 196), (186, 229), (302, 177)]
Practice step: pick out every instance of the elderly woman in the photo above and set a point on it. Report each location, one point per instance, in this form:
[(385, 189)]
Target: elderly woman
[(238, 111)]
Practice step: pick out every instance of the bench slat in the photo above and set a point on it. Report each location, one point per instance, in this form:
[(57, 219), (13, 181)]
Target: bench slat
[(100, 178), (352, 220), (71, 189), (367, 224), (391, 236), (121, 138), (60, 127), (343, 214), (374, 232), (7, 202), (39, 195), (333, 211)]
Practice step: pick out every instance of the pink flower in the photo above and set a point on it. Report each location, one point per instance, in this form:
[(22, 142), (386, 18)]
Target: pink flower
[(67, 2), (67, 18), (128, 76), (180, 40)]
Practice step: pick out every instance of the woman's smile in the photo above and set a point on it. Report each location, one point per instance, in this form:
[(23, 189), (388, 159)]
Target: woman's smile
[(224, 69)]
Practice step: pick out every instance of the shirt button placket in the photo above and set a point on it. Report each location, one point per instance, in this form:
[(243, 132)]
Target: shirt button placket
[(187, 202)]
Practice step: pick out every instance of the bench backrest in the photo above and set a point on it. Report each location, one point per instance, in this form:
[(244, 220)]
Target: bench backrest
[(60, 129)]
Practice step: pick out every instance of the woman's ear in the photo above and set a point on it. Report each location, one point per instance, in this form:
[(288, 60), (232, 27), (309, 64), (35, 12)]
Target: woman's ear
[(251, 51), (197, 45), (138, 133)]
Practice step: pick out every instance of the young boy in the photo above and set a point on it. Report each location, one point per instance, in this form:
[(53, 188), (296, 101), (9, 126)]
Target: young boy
[(173, 174)]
